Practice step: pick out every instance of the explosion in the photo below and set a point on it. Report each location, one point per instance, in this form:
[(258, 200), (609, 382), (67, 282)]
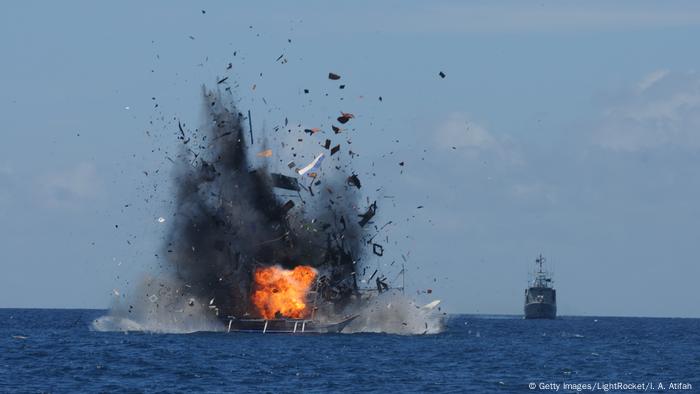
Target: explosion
[(229, 221), (233, 215), (280, 292)]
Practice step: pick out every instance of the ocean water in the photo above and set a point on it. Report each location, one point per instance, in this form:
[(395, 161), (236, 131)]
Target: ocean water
[(57, 351)]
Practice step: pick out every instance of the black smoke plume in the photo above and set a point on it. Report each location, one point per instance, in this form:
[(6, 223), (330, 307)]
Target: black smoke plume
[(229, 219)]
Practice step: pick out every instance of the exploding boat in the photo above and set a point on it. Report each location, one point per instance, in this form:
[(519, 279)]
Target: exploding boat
[(286, 301)]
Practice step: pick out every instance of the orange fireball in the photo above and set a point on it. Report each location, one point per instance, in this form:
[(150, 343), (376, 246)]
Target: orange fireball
[(280, 291)]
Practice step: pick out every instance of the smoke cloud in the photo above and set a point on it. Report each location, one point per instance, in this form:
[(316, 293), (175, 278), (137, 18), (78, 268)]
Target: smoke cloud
[(228, 219)]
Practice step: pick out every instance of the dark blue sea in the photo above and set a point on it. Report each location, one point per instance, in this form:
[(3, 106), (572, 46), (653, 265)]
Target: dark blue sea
[(57, 351)]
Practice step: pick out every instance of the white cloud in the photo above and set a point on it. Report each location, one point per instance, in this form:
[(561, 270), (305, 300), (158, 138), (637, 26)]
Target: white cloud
[(458, 131), (472, 140), (661, 110), (650, 79), (70, 187)]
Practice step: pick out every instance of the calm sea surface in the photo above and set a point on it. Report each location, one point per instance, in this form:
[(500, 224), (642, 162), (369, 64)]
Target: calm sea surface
[(56, 351)]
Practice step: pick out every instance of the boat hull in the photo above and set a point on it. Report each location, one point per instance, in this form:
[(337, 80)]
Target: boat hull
[(287, 326)]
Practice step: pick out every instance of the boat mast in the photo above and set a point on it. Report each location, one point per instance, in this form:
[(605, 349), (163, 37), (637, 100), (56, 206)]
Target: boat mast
[(540, 275)]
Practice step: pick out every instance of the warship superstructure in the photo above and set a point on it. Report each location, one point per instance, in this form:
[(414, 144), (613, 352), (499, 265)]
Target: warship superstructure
[(541, 297)]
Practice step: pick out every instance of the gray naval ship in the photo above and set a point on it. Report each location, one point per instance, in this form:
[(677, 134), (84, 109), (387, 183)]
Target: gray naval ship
[(541, 297)]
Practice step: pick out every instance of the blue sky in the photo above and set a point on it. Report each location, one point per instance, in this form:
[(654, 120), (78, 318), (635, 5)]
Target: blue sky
[(570, 129)]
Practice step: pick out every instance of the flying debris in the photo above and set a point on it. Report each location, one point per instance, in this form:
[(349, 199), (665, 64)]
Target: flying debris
[(442, 74), (265, 153), (284, 182), (334, 77), (287, 206), (367, 216), (250, 124), (372, 276), (312, 131), (378, 249), (313, 166), (354, 180), (431, 305), (382, 286), (345, 117)]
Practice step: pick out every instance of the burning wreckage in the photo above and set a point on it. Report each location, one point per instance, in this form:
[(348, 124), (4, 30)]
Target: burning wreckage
[(266, 264)]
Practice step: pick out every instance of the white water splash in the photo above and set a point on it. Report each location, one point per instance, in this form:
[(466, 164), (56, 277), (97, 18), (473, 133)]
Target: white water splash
[(159, 306), (393, 313)]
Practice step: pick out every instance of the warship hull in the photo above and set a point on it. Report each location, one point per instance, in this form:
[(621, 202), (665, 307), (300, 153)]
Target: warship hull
[(540, 303), (537, 310)]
